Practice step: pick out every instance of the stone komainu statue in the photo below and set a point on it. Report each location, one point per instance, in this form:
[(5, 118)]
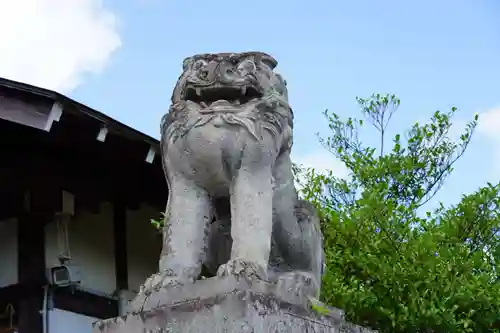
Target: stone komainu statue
[(232, 205)]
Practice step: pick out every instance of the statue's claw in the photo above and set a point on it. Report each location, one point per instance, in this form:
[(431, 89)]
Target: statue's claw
[(160, 280), (154, 283)]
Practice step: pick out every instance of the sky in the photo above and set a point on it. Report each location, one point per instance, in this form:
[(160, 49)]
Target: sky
[(123, 57)]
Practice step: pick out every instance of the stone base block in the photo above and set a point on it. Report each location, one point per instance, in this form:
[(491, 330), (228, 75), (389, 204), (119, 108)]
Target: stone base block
[(227, 305)]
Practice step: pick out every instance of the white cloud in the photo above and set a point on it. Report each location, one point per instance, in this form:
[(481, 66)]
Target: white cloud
[(489, 124), (489, 127), (52, 43), (322, 161)]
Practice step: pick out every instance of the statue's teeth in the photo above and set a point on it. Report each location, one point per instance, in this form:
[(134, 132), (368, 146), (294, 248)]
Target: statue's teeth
[(244, 90), (203, 104), (198, 91)]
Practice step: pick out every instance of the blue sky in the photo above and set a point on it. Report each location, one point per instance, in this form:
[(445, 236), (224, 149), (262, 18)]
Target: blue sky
[(431, 54)]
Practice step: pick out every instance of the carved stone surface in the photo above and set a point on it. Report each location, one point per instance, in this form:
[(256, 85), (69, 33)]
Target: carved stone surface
[(226, 144), (228, 305)]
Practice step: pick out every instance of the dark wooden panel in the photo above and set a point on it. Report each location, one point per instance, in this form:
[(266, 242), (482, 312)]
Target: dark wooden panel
[(28, 313), (71, 156), (9, 202)]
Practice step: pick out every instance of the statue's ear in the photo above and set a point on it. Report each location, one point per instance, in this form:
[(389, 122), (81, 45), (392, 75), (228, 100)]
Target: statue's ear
[(269, 61), (186, 63), (282, 80)]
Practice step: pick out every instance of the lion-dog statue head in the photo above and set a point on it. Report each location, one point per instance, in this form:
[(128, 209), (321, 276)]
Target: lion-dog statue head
[(230, 88)]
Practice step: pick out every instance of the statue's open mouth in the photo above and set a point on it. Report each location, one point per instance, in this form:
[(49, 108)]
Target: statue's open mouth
[(221, 95)]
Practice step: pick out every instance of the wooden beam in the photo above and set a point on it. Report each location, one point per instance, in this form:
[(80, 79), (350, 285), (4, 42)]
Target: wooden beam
[(31, 258), (120, 242), (103, 132), (31, 249), (29, 317), (54, 115), (12, 293), (85, 303), (151, 155)]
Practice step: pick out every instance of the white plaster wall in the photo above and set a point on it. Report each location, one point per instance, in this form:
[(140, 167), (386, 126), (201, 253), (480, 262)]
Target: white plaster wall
[(143, 246), (92, 248), (8, 252), (61, 321)]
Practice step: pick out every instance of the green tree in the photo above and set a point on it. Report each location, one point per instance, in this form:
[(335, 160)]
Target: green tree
[(391, 265)]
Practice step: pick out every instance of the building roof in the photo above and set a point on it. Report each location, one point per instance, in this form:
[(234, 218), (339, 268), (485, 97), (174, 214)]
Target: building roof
[(110, 123), (85, 151)]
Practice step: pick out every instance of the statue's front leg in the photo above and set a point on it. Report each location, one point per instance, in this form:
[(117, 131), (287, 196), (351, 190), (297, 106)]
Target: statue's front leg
[(251, 223), (188, 214)]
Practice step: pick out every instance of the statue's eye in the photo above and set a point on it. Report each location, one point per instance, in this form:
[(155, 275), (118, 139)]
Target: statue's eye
[(199, 64), (233, 60), (248, 66)]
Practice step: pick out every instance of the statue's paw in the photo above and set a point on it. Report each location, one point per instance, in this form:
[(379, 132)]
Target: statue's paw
[(241, 268), (154, 283), (302, 284), (160, 280)]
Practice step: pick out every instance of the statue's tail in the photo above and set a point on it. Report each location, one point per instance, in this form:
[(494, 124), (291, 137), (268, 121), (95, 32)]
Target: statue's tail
[(308, 220)]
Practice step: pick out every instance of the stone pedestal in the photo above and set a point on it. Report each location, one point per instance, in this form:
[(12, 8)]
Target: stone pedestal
[(226, 305)]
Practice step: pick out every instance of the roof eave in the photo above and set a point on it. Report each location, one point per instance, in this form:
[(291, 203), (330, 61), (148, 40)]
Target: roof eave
[(111, 123)]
